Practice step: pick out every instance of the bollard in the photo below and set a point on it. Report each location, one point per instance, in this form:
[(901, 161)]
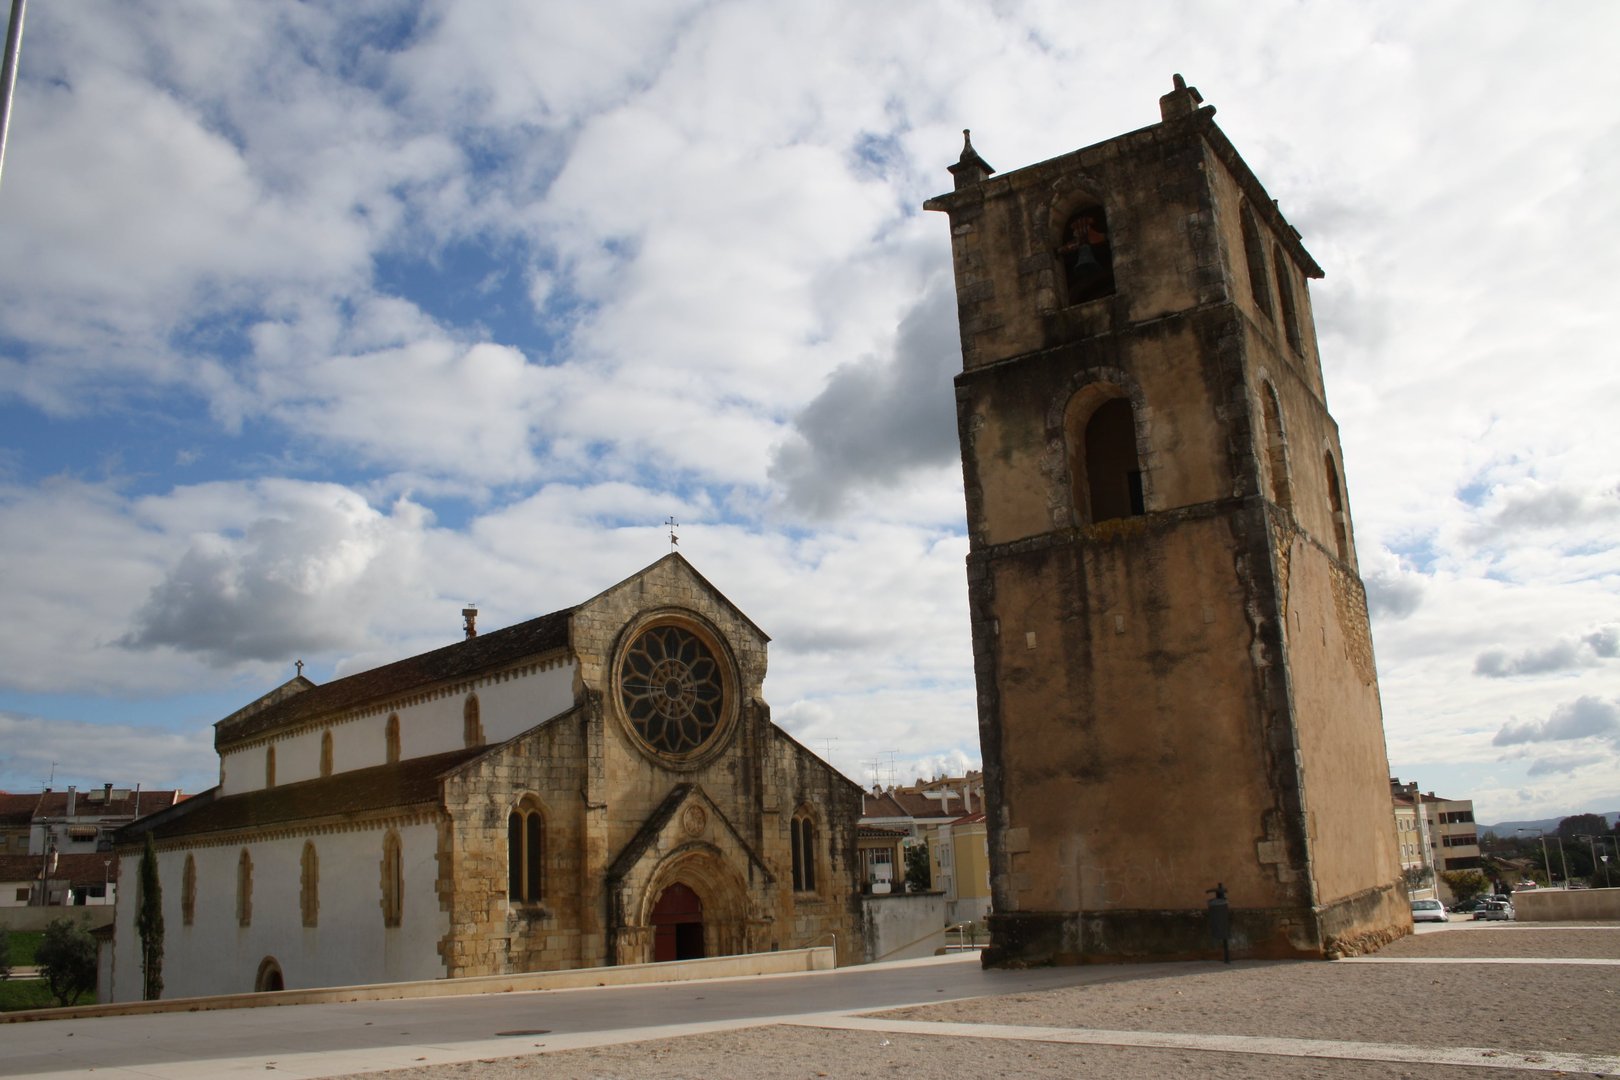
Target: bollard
[(1220, 921)]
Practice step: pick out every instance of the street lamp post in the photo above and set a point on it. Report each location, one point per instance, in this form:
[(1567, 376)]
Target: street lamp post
[(1562, 859)]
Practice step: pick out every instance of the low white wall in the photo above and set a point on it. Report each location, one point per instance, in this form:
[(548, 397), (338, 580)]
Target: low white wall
[(904, 926), (1559, 905), (28, 919)]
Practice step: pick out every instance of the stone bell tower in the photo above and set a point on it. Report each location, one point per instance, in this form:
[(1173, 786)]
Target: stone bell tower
[(1175, 673)]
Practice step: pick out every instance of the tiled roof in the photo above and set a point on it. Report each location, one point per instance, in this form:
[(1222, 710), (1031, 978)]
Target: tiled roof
[(880, 832), (85, 868), (54, 803), (413, 782), (17, 809), (908, 804), (464, 658)]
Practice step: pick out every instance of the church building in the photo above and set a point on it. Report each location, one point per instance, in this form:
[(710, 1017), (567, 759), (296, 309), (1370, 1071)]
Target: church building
[(601, 785)]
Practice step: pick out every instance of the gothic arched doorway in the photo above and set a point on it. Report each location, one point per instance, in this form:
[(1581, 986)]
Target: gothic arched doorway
[(677, 921), (269, 977)]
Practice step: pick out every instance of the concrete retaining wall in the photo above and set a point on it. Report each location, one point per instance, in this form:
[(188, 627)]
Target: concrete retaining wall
[(1558, 905), (904, 926), (34, 918)]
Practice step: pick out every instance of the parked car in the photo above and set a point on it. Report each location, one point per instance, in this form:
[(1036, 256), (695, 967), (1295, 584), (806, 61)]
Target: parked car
[(1429, 911), (1495, 909), (1468, 906)]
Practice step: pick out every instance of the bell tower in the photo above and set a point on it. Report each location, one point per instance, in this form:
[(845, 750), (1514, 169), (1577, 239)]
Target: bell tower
[(1175, 672)]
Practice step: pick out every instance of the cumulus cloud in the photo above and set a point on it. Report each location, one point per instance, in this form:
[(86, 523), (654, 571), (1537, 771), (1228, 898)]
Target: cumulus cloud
[(91, 754), (284, 587), (1566, 655), (1393, 595), (1585, 717), (881, 417)]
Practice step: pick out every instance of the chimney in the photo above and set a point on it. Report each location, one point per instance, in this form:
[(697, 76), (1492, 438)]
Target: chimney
[(73, 800), (469, 616), (1182, 100), (106, 793)]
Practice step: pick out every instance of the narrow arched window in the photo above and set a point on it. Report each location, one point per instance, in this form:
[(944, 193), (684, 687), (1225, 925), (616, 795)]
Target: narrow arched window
[(1285, 293), (326, 753), (1087, 255), (309, 884), (1255, 252), (1341, 531), (391, 738), (472, 725), (1276, 448), (393, 881), (188, 891), (1104, 471), (270, 766), (525, 854), (244, 889), (802, 833)]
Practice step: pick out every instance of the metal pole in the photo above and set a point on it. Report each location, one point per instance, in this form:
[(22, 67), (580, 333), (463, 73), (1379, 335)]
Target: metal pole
[(8, 74), (1563, 859)]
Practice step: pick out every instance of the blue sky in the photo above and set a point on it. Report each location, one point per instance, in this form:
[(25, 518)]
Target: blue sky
[(323, 320)]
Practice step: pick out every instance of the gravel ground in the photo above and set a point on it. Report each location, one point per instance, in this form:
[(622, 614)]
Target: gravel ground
[(1560, 1008)]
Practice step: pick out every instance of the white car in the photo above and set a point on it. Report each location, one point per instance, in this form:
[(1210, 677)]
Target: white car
[(1429, 911)]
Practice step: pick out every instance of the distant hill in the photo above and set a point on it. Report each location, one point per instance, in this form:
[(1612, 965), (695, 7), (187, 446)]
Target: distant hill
[(1546, 825)]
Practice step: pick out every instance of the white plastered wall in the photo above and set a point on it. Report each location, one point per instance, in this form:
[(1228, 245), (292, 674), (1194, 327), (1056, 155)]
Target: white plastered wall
[(507, 707), (349, 944)]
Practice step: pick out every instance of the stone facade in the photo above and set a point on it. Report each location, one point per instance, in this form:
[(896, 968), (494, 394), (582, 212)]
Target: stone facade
[(1171, 644), (418, 784)]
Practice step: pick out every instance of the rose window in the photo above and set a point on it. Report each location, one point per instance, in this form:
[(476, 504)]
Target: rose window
[(671, 688)]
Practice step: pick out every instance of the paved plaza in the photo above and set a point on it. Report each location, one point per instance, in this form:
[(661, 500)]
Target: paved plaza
[(1461, 1000)]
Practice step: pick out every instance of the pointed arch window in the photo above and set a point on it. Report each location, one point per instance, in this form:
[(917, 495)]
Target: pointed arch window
[(472, 724), (1087, 255), (525, 853), (244, 889), (1276, 447), (391, 739), (1285, 293), (1105, 473), (309, 884), (188, 891), (393, 881), (803, 837), (1254, 251), (326, 753), (1341, 532)]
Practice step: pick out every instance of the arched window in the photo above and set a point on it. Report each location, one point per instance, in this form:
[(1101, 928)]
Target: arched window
[(391, 737), (1104, 472), (270, 766), (1285, 293), (1087, 255), (269, 979), (1255, 252), (1341, 534), (188, 892), (244, 889), (1276, 448), (525, 853), (393, 881), (803, 835), (309, 884), (472, 726), (326, 753)]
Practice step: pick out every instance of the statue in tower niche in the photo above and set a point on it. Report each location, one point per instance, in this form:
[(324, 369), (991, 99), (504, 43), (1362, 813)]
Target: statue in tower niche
[(1175, 673)]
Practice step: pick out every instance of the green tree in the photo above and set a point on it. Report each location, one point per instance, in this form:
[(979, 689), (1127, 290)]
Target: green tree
[(1465, 884), (67, 960), (918, 876), (149, 923), (1578, 825)]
